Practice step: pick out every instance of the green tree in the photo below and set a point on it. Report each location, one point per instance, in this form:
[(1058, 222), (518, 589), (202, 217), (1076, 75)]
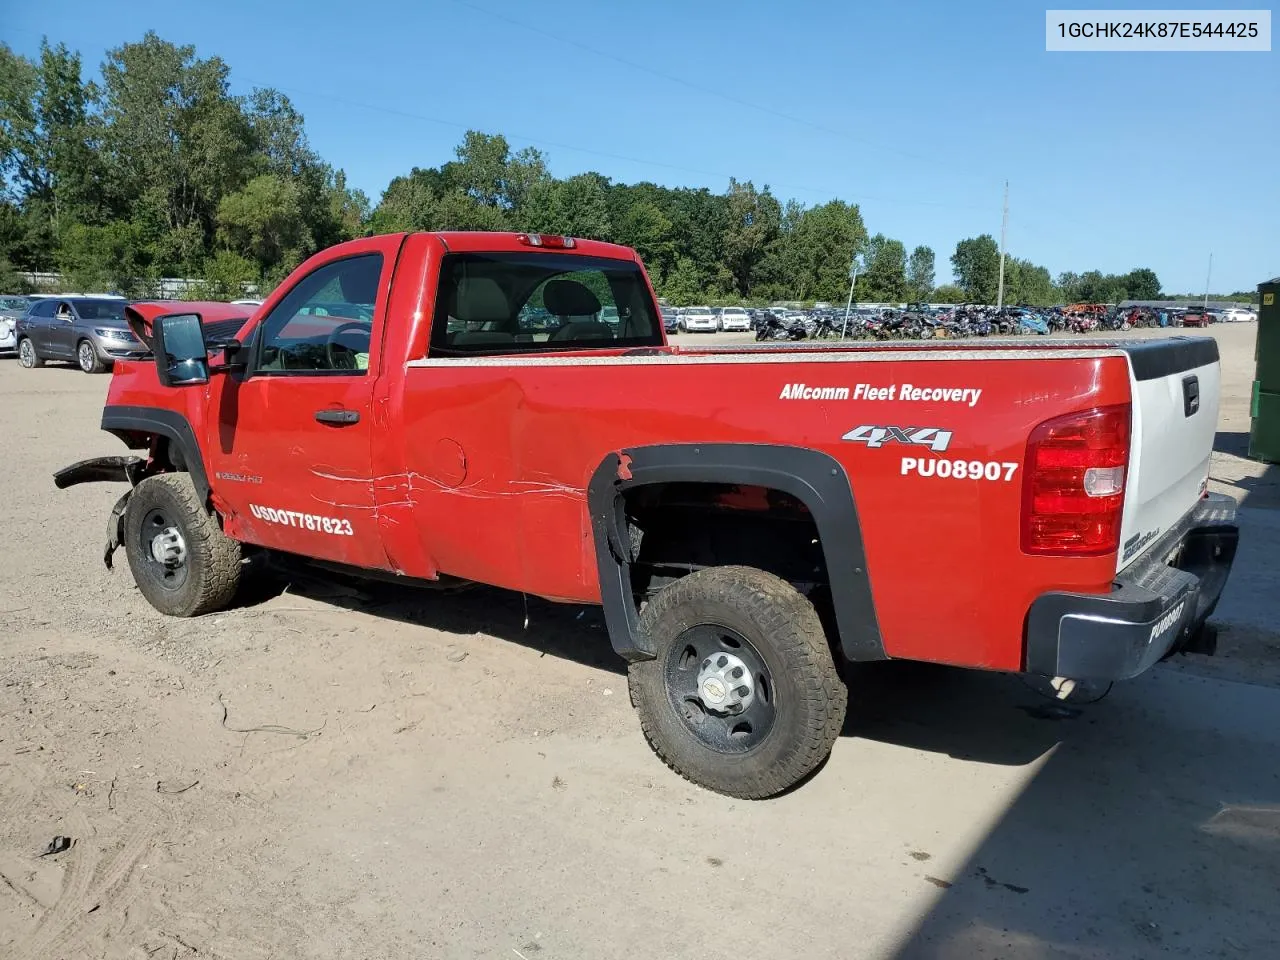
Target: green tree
[(348, 207), (1026, 283), (174, 143), (948, 293), (920, 274), (47, 150), (753, 221), (487, 172), (264, 222), (683, 283), (227, 276), (575, 207), (1142, 284), (1092, 287), (820, 247), (106, 258), (461, 211), (409, 203), (1069, 287), (976, 265), (885, 276)]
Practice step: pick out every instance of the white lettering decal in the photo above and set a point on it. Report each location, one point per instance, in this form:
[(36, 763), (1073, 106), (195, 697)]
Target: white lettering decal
[(800, 391), (906, 391), (993, 470), (303, 521), (1167, 621)]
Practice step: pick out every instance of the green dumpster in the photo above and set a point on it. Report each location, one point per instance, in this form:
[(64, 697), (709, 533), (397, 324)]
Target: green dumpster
[(1264, 433)]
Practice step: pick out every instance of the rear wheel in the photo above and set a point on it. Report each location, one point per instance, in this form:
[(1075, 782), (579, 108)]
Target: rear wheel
[(87, 357), (743, 697), (27, 356), (181, 560)]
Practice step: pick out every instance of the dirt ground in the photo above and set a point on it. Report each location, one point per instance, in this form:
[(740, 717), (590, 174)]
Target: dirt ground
[(336, 771)]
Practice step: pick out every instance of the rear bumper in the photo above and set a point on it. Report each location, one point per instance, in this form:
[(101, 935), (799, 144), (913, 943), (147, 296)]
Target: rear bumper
[(1157, 606)]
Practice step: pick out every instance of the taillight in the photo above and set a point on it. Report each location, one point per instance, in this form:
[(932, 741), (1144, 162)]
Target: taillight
[(546, 240), (1073, 487)]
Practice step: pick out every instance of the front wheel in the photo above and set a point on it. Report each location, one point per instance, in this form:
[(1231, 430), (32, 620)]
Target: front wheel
[(88, 358), (743, 697), (27, 356), (181, 560)]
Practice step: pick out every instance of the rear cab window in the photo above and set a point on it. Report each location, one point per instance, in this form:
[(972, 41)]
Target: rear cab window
[(517, 303)]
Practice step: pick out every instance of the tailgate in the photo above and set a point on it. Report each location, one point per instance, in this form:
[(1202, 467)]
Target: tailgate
[(1175, 417)]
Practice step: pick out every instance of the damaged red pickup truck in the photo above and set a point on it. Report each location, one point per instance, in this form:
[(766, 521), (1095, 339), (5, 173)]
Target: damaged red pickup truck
[(505, 409)]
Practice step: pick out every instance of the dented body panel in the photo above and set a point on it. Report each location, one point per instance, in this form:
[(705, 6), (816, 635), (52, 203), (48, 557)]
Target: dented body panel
[(479, 467)]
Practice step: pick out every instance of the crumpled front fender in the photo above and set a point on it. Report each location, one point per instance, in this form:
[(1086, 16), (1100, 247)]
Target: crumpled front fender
[(115, 528), (119, 469)]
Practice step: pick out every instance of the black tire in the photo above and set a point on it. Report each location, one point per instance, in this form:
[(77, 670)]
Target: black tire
[(87, 358), (207, 578), (784, 633), (28, 357)]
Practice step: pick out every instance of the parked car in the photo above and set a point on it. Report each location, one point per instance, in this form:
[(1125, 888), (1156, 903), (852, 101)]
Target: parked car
[(11, 310), (735, 318), (1237, 315), (670, 318), (698, 320), (87, 330), (853, 500), (1197, 317)]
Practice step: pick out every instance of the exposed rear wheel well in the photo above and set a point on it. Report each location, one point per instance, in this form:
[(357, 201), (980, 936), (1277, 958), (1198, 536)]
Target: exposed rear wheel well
[(679, 528)]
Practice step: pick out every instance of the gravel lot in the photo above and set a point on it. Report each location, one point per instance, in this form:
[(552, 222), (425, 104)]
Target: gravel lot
[(336, 771)]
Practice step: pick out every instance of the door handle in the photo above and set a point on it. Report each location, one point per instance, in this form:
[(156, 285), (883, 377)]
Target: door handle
[(339, 418)]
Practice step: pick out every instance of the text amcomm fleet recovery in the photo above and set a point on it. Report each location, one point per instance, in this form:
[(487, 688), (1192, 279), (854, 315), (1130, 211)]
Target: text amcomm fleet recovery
[(896, 391)]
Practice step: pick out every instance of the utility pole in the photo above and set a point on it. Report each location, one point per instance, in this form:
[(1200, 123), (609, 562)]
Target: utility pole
[(1207, 279), (853, 280), (1004, 230)]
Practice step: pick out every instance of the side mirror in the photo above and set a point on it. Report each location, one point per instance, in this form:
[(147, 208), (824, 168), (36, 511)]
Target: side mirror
[(182, 360)]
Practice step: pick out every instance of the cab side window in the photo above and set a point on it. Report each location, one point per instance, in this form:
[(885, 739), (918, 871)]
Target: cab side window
[(324, 325)]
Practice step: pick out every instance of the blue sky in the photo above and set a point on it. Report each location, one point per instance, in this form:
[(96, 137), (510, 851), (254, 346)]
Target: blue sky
[(916, 111)]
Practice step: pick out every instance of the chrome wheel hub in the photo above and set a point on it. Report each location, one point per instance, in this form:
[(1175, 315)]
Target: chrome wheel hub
[(725, 685), (168, 548)]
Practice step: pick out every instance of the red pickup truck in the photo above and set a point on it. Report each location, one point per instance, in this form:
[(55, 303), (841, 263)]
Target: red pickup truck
[(505, 409)]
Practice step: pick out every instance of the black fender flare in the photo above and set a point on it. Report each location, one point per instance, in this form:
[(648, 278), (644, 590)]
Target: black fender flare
[(816, 479), (131, 470), (101, 470), (120, 421)]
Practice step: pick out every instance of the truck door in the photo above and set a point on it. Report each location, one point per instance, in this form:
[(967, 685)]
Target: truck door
[(291, 464)]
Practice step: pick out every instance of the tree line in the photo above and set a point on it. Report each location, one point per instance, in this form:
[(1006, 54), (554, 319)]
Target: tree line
[(154, 169)]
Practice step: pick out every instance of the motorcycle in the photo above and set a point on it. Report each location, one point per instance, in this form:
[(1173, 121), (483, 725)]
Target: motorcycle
[(773, 327)]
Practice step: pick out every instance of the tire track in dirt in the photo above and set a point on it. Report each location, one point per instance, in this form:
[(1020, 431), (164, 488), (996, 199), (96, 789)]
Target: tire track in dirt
[(95, 892)]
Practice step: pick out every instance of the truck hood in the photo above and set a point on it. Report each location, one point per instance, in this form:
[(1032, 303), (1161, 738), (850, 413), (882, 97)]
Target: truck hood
[(229, 318)]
